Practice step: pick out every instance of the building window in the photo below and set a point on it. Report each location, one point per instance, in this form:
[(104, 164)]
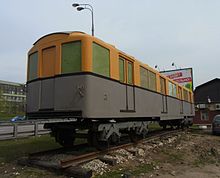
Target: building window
[(101, 60), (204, 115), (71, 57)]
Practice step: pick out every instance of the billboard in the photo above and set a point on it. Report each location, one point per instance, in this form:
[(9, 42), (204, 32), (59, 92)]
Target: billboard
[(182, 76)]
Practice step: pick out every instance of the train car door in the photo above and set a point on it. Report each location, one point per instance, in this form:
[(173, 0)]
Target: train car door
[(47, 85), (181, 99), (127, 77), (164, 96)]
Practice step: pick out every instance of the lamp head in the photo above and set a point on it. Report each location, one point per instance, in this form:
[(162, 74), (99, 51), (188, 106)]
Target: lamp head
[(80, 8), (75, 5)]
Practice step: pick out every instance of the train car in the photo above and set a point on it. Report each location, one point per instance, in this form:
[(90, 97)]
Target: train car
[(77, 81)]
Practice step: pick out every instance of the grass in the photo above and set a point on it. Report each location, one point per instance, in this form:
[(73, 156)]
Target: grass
[(12, 149), (133, 172), (7, 117), (154, 126)]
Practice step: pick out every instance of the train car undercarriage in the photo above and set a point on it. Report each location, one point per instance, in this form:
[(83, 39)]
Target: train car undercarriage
[(105, 133)]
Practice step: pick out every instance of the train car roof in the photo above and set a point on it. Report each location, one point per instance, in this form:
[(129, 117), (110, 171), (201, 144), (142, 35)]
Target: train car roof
[(58, 33)]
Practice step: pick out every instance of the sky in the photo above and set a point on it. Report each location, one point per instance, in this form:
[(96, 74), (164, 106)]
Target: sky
[(156, 32)]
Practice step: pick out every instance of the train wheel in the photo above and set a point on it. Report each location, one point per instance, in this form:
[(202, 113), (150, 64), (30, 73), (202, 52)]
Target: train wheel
[(114, 139), (94, 140), (164, 126), (65, 137), (134, 137)]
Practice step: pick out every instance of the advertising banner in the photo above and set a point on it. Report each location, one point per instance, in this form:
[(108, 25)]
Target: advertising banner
[(182, 76)]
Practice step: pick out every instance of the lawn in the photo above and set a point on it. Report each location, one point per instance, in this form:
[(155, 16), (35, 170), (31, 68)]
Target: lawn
[(6, 117), (13, 149)]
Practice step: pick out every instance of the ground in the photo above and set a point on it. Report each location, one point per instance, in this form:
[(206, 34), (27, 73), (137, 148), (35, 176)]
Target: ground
[(190, 154)]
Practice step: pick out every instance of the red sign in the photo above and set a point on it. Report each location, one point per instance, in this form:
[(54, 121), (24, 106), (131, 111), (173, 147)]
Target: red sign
[(183, 80)]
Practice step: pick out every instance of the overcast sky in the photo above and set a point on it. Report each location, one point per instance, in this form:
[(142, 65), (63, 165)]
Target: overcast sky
[(158, 32)]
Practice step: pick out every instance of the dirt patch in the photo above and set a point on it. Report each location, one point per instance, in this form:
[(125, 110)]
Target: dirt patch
[(193, 155), (190, 154)]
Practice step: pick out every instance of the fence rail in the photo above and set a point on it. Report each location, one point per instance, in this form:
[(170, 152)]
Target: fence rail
[(21, 129)]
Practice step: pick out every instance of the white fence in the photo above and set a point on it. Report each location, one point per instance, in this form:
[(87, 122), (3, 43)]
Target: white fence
[(9, 130)]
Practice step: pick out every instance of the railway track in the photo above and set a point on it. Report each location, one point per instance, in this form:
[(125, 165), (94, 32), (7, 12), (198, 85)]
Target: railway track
[(67, 158), (75, 160)]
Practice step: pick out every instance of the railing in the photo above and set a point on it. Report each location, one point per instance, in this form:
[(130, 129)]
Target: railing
[(9, 130)]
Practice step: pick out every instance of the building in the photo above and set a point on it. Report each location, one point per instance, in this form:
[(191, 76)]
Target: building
[(207, 102), (12, 97)]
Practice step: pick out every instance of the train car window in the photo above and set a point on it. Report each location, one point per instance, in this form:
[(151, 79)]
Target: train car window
[(174, 90), (162, 85), (121, 70), (48, 61), (71, 57), (101, 60), (185, 95), (180, 92), (130, 73), (190, 97), (33, 66), (170, 85), (144, 77), (152, 81)]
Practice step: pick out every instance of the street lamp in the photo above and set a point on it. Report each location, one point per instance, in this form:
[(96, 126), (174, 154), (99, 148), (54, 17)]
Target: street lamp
[(157, 67), (173, 64), (80, 7)]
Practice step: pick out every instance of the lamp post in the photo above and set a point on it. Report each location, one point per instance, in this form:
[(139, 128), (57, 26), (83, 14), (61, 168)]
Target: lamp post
[(80, 7), (173, 64)]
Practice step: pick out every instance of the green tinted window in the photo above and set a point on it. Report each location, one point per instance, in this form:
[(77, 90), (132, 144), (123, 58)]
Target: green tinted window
[(174, 90), (152, 81), (121, 70), (130, 73), (33, 66), (71, 57), (144, 77), (101, 60), (170, 85)]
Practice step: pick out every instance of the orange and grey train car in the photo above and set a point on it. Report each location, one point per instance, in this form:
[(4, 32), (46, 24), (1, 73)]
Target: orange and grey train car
[(75, 75)]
